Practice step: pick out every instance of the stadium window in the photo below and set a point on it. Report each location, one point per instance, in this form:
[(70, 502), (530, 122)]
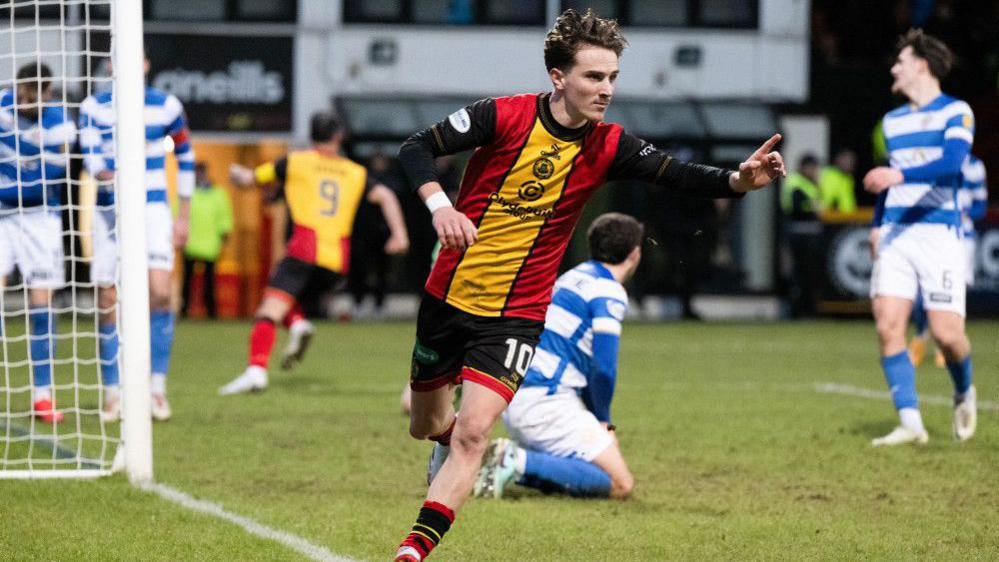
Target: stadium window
[(266, 10), (603, 8), (522, 12), (448, 12), (187, 10), (664, 13), (374, 11), (728, 13)]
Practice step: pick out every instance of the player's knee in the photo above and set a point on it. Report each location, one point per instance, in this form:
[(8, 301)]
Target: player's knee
[(471, 435), (159, 301)]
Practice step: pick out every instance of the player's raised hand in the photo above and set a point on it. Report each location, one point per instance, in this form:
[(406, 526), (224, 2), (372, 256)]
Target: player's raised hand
[(760, 168), (240, 175), (881, 178), (454, 230)]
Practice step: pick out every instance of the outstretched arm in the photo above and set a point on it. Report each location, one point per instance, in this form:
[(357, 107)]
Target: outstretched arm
[(398, 242), (637, 159)]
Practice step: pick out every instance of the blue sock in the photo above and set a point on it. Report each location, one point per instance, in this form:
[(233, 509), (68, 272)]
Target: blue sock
[(919, 317), (42, 344), (160, 340), (575, 477), (960, 373), (109, 354), (901, 377)]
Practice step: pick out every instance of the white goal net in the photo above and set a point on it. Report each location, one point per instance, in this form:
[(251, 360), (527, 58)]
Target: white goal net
[(59, 343)]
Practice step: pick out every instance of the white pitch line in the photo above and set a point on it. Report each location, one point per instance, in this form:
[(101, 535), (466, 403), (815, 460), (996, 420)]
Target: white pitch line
[(294, 542), (833, 388)]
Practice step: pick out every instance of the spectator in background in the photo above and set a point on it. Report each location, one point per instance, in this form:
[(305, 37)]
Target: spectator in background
[(836, 183), (801, 202), (211, 223)]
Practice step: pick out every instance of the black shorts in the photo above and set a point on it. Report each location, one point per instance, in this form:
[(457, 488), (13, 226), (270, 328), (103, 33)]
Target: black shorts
[(453, 345), (294, 279)]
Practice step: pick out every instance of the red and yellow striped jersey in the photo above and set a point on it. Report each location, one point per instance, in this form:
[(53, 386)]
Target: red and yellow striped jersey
[(323, 195), (524, 191)]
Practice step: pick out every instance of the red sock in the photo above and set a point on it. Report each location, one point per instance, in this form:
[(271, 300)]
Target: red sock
[(434, 520), (261, 342), (445, 437), (294, 315)]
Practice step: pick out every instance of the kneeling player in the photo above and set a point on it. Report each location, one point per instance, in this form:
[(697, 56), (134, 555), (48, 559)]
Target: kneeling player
[(323, 191), (563, 439)]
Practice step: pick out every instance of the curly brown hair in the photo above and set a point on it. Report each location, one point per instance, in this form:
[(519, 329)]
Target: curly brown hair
[(927, 47), (571, 31)]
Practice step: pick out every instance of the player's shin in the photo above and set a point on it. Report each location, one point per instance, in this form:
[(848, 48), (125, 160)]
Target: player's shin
[(108, 345), (901, 378), (575, 477), (160, 340), (262, 342), (432, 523), (42, 343), (961, 374)]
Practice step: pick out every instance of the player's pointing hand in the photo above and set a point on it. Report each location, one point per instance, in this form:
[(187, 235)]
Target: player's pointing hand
[(760, 168), (454, 230)]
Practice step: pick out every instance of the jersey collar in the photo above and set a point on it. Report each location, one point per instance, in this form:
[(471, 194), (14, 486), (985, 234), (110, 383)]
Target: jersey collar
[(601, 270), (556, 129)]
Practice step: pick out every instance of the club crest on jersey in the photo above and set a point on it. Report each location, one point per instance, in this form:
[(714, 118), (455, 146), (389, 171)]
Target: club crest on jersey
[(543, 168), (460, 120), (531, 190)]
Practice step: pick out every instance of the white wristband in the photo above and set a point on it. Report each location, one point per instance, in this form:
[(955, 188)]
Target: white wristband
[(436, 201)]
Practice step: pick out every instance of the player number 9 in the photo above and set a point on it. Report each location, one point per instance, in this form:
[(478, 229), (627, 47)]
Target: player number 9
[(330, 191), (523, 356)]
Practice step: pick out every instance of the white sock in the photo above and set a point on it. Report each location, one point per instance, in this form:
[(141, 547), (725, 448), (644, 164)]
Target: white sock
[(521, 466), (256, 369), (112, 391), (911, 419), (158, 383), (41, 394)]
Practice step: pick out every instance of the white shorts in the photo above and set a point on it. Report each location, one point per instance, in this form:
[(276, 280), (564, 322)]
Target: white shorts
[(159, 242), (32, 241), (926, 259), (559, 424), (969, 252)]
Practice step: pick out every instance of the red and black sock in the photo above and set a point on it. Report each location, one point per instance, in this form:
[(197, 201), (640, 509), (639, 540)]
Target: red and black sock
[(294, 315), (262, 342), (445, 437), (434, 520)]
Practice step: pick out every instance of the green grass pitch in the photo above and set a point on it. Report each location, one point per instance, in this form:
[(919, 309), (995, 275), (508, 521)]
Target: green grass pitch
[(735, 453)]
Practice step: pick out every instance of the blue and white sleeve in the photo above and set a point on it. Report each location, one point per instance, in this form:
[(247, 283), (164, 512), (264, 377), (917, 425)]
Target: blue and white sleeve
[(182, 148), (91, 138), (607, 316), (958, 137)]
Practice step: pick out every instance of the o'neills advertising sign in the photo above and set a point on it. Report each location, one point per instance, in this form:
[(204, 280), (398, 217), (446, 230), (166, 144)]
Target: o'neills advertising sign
[(226, 83)]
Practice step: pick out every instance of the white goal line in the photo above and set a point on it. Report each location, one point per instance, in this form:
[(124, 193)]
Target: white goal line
[(848, 390), (294, 542)]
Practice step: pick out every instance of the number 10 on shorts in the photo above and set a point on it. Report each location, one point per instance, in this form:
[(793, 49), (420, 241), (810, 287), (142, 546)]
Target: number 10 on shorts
[(523, 356)]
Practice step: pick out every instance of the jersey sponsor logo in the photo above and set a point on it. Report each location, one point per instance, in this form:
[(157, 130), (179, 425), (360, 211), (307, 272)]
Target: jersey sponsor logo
[(543, 168), (531, 190), (522, 212), (940, 297), (460, 120), (425, 355)]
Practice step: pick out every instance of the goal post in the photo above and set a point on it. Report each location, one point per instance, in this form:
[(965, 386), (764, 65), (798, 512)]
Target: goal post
[(51, 336), (133, 311)]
